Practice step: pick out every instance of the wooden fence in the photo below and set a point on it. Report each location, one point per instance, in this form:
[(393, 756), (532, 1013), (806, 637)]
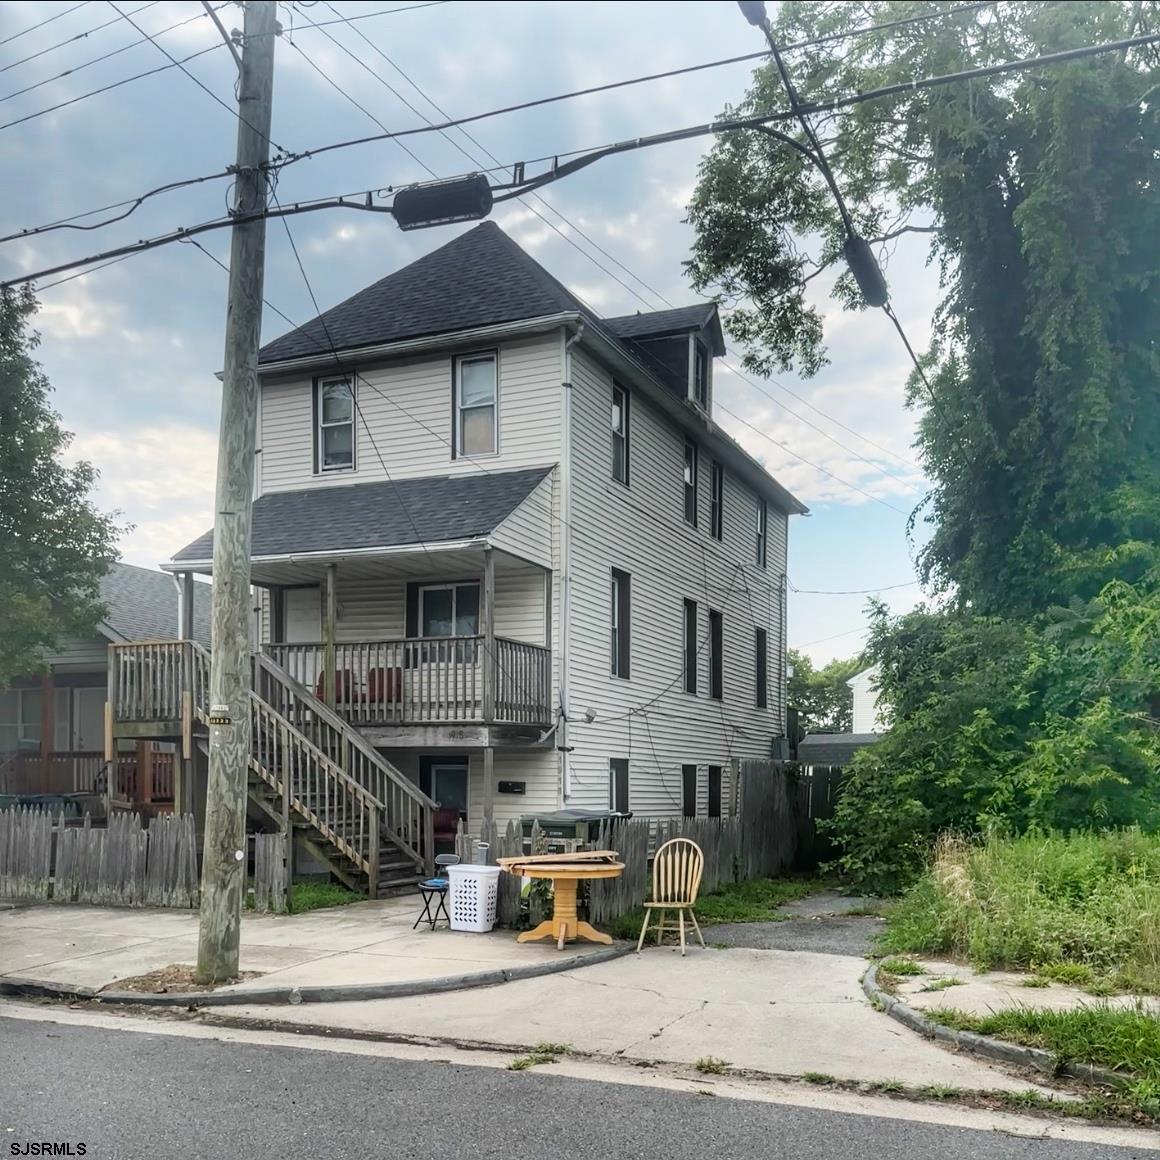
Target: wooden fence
[(270, 873), (772, 833), (121, 864)]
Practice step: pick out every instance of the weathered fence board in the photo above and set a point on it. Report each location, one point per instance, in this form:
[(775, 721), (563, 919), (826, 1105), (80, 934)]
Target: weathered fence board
[(121, 864), (270, 873)]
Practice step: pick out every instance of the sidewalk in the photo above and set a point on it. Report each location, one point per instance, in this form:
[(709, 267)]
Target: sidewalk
[(366, 943), (780, 1012)]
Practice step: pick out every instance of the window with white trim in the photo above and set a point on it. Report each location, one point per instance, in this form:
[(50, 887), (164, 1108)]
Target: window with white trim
[(691, 482), (621, 624), (701, 374), (449, 610), (334, 425), (476, 404), (762, 532), (618, 785), (717, 500), (619, 433)]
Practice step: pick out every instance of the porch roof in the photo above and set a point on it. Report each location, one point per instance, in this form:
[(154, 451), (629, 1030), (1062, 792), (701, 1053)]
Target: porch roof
[(380, 514)]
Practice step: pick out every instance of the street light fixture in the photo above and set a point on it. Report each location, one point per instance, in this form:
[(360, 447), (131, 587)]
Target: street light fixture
[(461, 199)]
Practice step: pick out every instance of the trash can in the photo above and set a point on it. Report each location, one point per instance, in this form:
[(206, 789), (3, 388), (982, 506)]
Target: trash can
[(471, 898)]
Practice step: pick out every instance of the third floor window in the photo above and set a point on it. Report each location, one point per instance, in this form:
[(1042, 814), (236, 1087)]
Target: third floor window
[(619, 433), (717, 504), (476, 405), (691, 482)]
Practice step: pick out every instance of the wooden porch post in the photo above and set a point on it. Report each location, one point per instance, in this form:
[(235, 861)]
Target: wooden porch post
[(329, 631), (548, 643), (487, 627), (145, 772), (185, 606), (488, 783)]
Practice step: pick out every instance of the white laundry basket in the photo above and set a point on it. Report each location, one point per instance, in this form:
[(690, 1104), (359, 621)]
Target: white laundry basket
[(471, 896)]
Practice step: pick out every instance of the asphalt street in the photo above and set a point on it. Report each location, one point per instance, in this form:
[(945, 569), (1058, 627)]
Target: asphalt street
[(126, 1095)]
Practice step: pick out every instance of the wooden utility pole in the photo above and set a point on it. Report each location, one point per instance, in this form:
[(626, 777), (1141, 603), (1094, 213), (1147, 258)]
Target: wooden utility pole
[(223, 874)]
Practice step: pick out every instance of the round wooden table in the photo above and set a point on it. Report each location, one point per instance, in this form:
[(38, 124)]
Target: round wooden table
[(564, 925)]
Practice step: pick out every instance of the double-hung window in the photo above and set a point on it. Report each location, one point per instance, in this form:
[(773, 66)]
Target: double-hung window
[(334, 425), (716, 656), (717, 504), (619, 433), (714, 803), (762, 532), (690, 646), (701, 374), (691, 482), (621, 616), (761, 667), (476, 404), (449, 610), (20, 718)]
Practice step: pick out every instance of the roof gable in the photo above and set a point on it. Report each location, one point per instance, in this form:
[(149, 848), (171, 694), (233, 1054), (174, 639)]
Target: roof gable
[(481, 278)]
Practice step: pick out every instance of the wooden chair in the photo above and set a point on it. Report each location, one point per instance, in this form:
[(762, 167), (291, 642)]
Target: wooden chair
[(677, 870)]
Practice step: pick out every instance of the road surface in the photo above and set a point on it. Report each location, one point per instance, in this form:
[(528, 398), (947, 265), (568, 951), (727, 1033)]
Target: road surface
[(126, 1095)]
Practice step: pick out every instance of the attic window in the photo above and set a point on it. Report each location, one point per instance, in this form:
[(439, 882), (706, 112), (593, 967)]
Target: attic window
[(701, 374)]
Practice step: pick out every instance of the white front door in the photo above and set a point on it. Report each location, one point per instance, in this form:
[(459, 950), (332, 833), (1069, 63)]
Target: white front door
[(303, 610)]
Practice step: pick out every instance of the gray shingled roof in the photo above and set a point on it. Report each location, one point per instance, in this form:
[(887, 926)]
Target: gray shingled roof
[(380, 514), (494, 281), (832, 748), (659, 322), (141, 604)]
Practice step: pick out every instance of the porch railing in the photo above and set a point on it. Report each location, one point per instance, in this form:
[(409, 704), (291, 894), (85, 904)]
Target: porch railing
[(420, 681), (147, 680), (59, 772)]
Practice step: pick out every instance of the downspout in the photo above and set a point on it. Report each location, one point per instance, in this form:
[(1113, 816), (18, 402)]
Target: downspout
[(562, 746)]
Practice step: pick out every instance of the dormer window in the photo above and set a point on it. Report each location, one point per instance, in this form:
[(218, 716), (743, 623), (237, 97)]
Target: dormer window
[(700, 374)]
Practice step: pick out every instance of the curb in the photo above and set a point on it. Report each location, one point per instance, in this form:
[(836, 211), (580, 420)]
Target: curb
[(1033, 1057), (338, 993)]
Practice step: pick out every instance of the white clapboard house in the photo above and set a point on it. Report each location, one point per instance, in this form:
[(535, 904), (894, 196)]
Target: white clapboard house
[(506, 557)]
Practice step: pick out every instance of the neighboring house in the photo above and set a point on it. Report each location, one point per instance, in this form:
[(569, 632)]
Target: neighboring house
[(52, 724), (505, 540), (869, 715), (832, 749)]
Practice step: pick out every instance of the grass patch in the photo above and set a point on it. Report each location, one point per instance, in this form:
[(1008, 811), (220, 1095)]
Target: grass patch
[(1075, 974), (534, 1059), (711, 1065), (1125, 1040), (943, 983), (901, 967), (938, 1091), (317, 893), (1035, 981), (886, 1086), (1085, 904), (818, 1077)]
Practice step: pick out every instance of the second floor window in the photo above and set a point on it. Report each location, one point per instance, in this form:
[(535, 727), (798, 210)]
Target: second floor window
[(691, 482), (717, 504), (761, 667), (334, 425), (716, 656), (621, 613), (619, 433), (449, 610), (476, 410), (762, 532), (714, 803), (701, 374), (689, 791), (690, 645)]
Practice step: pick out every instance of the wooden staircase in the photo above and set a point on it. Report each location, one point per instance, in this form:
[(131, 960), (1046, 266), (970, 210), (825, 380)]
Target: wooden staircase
[(310, 771)]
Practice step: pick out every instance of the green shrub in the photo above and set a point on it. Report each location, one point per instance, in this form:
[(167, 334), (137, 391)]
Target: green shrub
[(316, 893), (1072, 908)]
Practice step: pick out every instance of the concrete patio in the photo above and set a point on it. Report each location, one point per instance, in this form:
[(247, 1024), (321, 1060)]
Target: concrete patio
[(366, 943)]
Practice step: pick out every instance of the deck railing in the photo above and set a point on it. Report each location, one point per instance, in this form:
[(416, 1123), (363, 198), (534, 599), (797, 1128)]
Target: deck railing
[(147, 680), (59, 772), (422, 681)]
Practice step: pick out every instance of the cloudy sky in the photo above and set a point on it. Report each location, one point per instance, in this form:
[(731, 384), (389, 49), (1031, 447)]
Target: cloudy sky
[(132, 349)]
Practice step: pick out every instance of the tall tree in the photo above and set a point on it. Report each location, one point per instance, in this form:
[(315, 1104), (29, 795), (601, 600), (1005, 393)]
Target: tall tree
[(1041, 191), (54, 543), (822, 697)]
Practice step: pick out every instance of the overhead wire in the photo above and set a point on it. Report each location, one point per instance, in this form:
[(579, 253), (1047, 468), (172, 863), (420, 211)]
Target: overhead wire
[(73, 39), (41, 24), (68, 72)]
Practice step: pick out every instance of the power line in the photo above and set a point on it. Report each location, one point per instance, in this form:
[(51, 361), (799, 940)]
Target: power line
[(381, 12), (809, 463), (836, 636), (107, 56), (73, 39), (109, 87), (196, 80), (851, 591), (49, 20)]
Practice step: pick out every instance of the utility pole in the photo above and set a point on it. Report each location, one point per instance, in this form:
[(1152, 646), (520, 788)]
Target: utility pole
[(223, 874)]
